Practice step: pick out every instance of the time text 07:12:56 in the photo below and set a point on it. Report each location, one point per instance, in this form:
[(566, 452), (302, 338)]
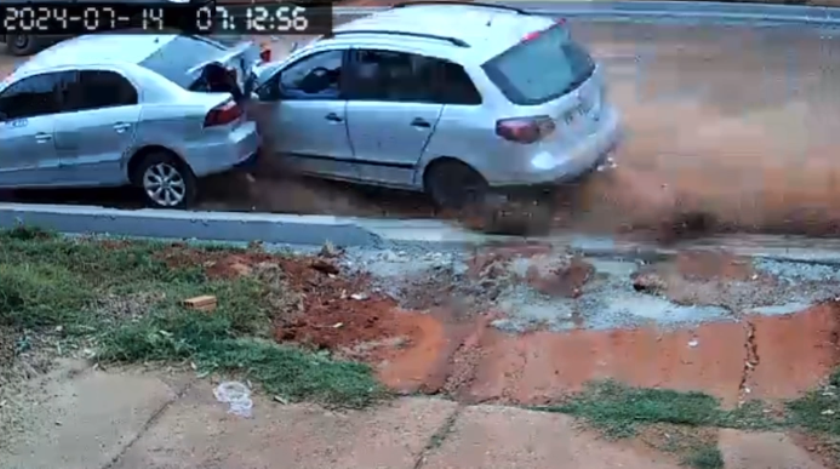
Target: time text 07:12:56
[(82, 18)]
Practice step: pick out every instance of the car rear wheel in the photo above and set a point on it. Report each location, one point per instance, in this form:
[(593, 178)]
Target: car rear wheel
[(165, 181), (454, 185)]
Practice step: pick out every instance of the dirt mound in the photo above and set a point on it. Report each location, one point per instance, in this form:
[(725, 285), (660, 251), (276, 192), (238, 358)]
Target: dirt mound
[(328, 307)]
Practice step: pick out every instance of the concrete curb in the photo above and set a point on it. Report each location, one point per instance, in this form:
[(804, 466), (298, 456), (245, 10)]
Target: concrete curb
[(209, 226), (696, 12), (314, 230)]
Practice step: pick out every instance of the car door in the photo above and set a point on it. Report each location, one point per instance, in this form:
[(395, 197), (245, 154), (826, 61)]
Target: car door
[(391, 113), (95, 140), (28, 108), (302, 118)]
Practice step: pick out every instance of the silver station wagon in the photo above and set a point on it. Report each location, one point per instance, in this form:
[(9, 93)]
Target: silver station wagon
[(154, 111), (455, 99)]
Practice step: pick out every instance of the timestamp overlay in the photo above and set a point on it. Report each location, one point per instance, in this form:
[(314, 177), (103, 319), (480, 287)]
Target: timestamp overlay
[(216, 18)]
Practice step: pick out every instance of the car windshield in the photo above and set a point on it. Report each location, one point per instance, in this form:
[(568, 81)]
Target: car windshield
[(541, 69), (178, 56)]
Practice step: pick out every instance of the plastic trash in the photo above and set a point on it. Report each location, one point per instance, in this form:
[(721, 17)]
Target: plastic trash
[(237, 396)]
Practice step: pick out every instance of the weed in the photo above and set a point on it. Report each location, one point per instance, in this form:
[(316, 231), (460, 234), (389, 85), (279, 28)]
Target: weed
[(704, 457)]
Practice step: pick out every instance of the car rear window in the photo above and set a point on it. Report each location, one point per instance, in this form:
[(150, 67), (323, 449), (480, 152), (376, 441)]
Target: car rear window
[(179, 55), (538, 70)]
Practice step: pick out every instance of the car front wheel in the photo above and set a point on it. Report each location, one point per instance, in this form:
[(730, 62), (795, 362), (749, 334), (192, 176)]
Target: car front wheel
[(165, 181)]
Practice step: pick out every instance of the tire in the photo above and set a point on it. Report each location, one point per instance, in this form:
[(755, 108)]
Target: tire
[(21, 45), (165, 180), (454, 185)]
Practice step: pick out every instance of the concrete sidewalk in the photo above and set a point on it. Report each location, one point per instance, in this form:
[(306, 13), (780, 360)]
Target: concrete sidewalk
[(90, 419)]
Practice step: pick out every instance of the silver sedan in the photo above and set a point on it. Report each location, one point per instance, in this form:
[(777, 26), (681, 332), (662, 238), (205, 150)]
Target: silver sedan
[(153, 111)]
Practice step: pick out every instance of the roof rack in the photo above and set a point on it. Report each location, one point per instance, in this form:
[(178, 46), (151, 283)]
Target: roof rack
[(454, 40), (497, 6)]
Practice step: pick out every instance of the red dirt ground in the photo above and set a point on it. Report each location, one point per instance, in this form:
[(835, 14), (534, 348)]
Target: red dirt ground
[(465, 357), (796, 351)]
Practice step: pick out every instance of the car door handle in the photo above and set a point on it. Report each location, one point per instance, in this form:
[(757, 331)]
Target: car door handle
[(121, 127), (418, 122), (42, 137), (333, 117)]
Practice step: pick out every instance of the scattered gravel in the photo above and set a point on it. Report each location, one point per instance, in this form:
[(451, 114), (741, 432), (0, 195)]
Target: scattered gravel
[(513, 287)]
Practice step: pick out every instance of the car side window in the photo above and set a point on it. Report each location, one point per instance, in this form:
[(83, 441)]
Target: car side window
[(315, 77), (34, 96), (96, 89), (380, 75), (454, 86)]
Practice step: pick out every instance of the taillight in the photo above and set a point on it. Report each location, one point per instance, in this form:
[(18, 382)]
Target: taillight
[(223, 114), (531, 36), (535, 34), (525, 129), (265, 55)]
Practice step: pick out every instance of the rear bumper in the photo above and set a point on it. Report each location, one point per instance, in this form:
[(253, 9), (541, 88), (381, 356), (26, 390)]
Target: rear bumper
[(592, 152), (238, 149), (248, 163)]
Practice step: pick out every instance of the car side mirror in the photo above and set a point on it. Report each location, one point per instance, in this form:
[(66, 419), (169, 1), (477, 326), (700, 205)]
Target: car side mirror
[(271, 90)]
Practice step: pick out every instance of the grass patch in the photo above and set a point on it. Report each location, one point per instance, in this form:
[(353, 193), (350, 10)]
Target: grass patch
[(126, 298), (818, 412), (680, 423), (619, 410), (819, 409)]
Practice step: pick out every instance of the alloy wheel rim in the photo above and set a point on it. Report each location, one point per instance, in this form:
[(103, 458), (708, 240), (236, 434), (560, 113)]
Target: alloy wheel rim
[(164, 185)]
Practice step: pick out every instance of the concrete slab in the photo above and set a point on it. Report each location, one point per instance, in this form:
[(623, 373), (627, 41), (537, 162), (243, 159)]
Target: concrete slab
[(489, 437), (86, 421), (742, 450), (196, 432)]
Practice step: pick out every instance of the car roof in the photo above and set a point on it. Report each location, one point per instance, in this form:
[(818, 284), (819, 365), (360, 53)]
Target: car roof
[(488, 31), (97, 49)]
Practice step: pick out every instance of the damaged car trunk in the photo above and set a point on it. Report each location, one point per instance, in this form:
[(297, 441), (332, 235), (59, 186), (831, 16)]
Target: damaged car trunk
[(200, 64)]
